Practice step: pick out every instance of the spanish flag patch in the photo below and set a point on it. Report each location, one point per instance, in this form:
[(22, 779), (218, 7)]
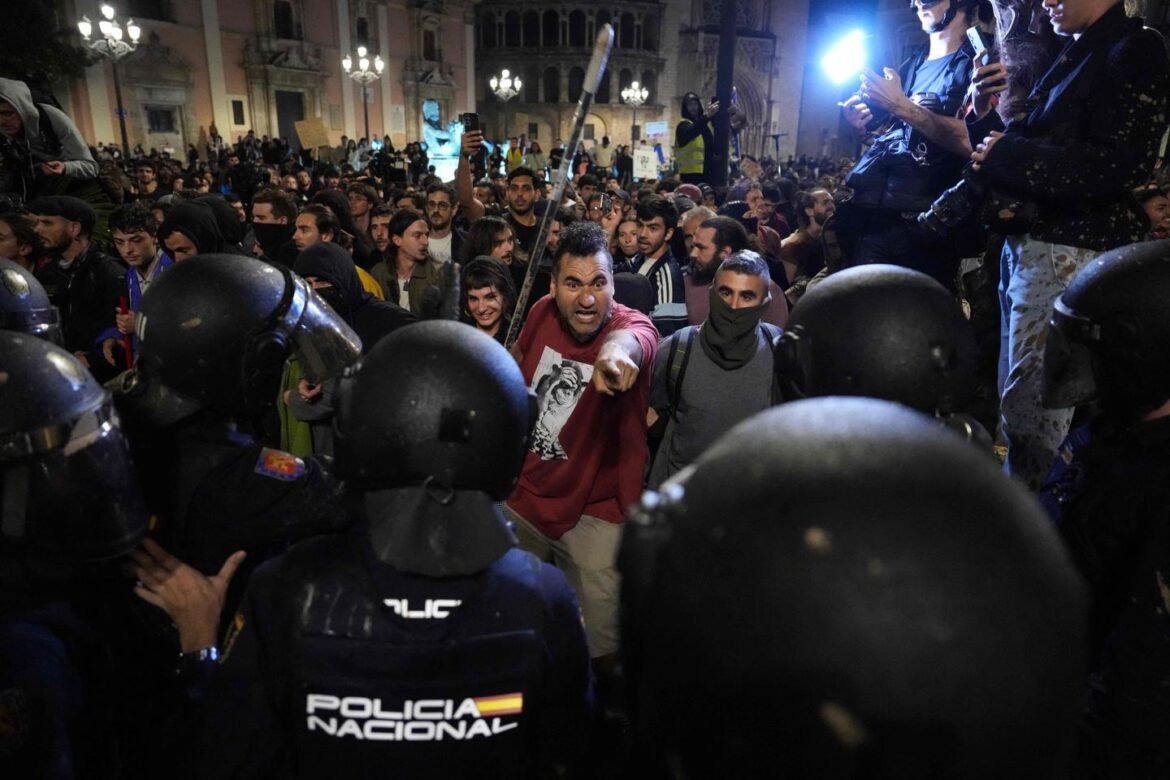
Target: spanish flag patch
[(504, 704), (280, 465)]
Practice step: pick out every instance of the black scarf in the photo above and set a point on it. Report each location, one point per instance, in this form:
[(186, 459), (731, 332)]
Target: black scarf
[(728, 337)]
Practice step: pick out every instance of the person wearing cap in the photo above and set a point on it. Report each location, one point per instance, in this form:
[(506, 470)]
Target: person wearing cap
[(83, 282)]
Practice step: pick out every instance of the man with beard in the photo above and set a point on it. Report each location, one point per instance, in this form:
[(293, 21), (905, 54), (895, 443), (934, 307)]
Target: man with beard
[(149, 190), (441, 208), (716, 240), (724, 378), (587, 358), (84, 283), (522, 197), (1154, 202), (801, 252)]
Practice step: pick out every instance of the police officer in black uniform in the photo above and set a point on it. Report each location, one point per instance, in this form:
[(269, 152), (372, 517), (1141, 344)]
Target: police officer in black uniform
[(882, 331), (69, 500), (838, 589), (213, 335), (1109, 491), (422, 642), (25, 306)]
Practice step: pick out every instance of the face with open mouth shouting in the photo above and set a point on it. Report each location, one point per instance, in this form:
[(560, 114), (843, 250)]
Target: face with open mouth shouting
[(583, 289)]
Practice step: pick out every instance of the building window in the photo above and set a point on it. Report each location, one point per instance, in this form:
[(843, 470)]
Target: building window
[(650, 82), (512, 29), (363, 31), (589, 132), (284, 25), (650, 33), (626, 32), (161, 119), (531, 28), (551, 27), (577, 29), (602, 95), (576, 84), (148, 9), (238, 116), (430, 51), (533, 128), (488, 30), (552, 85)]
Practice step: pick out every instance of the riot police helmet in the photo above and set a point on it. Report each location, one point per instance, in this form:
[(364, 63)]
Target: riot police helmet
[(879, 331), (24, 304), (214, 332), (1109, 336), (437, 402), (843, 589), (67, 485)]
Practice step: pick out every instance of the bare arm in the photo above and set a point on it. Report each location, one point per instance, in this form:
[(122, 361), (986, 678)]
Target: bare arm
[(886, 92), (464, 186)]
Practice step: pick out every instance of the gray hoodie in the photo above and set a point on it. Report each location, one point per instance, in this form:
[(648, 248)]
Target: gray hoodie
[(79, 163)]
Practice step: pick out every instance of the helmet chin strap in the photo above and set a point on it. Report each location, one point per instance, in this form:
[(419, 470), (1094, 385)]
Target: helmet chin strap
[(948, 17)]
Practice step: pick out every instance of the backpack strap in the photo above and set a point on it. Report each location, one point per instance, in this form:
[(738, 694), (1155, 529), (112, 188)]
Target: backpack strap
[(676, 361), (773, 334)]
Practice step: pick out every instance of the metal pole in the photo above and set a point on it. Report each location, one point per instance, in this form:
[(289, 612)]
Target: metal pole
[(725, 77), (121, 112), (634, 123), (366, 110)]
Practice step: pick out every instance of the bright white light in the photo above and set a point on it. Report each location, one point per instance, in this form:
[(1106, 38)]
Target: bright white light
[(846, 58), (378, 64), (134, 30), (347, 63), (86, 27), (504, 73), (108, 11), (361, 51)]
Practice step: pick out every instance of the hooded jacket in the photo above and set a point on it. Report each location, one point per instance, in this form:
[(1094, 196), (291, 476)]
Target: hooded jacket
[(363, 250), (62, 133), (370, 318), (197, 222)]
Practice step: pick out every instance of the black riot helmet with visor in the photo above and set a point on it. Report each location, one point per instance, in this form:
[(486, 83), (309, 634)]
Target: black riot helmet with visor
[(67, 485), (879, 331), (432, 429), (25, 306), (214, 333), (847, 614), (1109, 336)]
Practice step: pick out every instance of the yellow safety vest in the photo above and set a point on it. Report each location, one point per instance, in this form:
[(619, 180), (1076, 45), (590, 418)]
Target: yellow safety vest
[(690, 156)]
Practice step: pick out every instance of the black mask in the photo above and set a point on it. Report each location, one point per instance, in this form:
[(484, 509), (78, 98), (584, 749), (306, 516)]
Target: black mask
[(728, 337)]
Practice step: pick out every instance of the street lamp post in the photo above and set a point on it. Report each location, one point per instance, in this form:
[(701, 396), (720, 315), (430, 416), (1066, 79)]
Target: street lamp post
[(363, 75), (634, 96), (505, 87), (113, 45)]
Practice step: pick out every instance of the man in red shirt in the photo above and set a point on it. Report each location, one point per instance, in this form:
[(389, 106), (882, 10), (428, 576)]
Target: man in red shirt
[(588, 360)]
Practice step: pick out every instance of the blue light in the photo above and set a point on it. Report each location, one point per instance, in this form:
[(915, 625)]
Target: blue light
[(846, 58)]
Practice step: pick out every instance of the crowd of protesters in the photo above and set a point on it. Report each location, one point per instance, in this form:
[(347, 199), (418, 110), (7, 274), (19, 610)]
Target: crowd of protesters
[(648, 318)]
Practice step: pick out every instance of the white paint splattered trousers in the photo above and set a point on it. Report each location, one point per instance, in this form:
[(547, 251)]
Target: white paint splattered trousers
[(1033, 274)]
